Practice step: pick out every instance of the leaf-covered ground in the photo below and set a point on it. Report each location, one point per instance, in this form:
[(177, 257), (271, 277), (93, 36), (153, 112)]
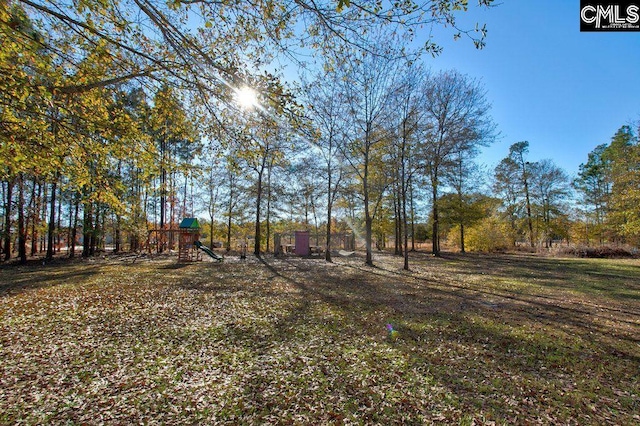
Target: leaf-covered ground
[(478, 340)]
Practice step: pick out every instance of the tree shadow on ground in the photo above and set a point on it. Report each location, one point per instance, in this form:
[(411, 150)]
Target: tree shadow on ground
[(521, 334), (562, 285), (19, 278), (301, 341), (176, 266)]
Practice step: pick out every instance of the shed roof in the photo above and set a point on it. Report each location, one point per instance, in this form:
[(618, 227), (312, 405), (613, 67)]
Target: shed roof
[(189, 223)]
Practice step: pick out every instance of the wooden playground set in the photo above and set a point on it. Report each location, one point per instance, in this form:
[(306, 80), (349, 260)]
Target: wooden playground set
[(191, 249)]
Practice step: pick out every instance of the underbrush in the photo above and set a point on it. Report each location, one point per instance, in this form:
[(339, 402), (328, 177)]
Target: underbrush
[(601, 252)]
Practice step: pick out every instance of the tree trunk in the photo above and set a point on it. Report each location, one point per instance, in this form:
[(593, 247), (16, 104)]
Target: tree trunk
[(435, 240), (7, 222), (213, 198), (93, 246), (185, 195), (256, 249), (33, 213), (143, 217), (403, 205), (526, 194), (367, 213), (101, 219), (229, 231), (118, 235), (327, 251), (461, 216), (230, 210), (413, 216), (406, 232), (43, 216), (172, 208), (87, 229), (397, 249), (22, 232), (163, 182), (52, 219), (268, 221), (163, 205), (74, 228), (211, 214), (306, 210), (69, 242), (529, 215), (315, 221), (59, 220), (368, 236)]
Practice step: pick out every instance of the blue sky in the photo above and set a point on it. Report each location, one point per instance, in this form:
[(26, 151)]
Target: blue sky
[(562, 90)]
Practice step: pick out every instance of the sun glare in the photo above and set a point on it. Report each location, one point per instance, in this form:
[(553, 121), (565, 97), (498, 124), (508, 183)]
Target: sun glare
[(246, 97)]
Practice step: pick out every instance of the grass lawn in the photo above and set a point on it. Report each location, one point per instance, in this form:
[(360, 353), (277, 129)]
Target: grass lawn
[(479, 340)]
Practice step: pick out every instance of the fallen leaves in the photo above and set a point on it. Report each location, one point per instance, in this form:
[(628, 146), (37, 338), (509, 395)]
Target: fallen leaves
[(302, 342)]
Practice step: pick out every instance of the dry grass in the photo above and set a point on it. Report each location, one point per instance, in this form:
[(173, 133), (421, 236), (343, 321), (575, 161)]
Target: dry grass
[(480, 339)]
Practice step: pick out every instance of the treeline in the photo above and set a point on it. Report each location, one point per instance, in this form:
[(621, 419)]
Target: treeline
[(609, 187), (108, 132), (538, 205), (403, 142), (112, 114)]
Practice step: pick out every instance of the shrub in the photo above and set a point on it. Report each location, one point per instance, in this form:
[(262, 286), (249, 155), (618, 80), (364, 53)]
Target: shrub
[(488, 235), (601, 252)]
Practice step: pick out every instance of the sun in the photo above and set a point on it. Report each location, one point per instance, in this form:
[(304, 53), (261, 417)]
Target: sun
[(246, 97)]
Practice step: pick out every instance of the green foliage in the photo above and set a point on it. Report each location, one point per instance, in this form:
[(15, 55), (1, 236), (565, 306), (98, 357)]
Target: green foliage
[(467, 209), (534, 195), (594, 184), (464, 210), (609, 183), (623, 155), (25, 142), (422, 232), (593, 179)]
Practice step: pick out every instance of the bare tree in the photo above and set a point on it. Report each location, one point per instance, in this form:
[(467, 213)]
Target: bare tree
[(328, 113), (551, 189), (407, 103), (368, 82), (513, 178), (457, 119)]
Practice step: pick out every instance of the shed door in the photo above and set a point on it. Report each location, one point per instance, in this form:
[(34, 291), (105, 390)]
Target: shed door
[(302, 243)]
